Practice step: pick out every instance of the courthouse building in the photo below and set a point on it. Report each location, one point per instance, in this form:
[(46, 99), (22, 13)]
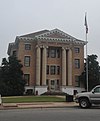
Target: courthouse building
[(52, 61)]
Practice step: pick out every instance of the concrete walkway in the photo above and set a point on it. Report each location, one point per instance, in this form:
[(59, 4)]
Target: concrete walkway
[(37, 105)]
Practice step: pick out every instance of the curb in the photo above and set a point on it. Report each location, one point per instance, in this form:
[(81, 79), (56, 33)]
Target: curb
[(36, 105)]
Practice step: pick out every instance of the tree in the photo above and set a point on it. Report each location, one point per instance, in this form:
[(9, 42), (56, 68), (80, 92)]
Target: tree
[(93, 72), (11, 77)]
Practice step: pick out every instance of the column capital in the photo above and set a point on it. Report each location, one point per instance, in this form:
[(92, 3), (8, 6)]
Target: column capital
[(37, 46), (44, 46), (65, 48)]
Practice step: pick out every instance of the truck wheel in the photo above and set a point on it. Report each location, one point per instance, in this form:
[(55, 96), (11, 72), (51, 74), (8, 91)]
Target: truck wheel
[(84, 103)]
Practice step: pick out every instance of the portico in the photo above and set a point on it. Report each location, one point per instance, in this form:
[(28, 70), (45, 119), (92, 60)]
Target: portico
[(65, 67)]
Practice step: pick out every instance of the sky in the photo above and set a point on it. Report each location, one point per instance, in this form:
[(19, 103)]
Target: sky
[(19, 17)]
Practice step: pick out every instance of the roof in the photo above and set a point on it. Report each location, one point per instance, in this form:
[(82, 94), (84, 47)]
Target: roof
[(55, 35), (32, 35)]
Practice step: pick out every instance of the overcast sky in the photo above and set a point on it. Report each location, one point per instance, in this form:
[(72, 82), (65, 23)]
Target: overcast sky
[(18, 17)]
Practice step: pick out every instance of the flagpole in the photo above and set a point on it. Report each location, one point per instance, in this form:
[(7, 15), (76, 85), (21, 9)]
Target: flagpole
[(86, 63), (86, 50)]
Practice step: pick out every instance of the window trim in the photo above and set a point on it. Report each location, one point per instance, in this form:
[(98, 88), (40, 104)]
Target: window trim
[(48, 67), (77, 63), (27, 64), (76, 49), (58, 70), (53, 53), (27, 46), (27, 81), (53, 70), (77, 81)]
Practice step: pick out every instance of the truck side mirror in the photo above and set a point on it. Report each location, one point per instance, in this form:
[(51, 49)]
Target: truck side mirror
[(93, 91)]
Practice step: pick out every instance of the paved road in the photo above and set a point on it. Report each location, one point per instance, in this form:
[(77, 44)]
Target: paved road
[(51, 114)]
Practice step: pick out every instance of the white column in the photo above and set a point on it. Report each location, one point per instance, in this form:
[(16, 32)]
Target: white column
[(44, 64), (38, 57), (63, 67), (70, 67)]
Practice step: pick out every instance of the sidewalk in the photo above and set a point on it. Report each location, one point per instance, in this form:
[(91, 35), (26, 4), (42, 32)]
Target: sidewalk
[(37, 105)]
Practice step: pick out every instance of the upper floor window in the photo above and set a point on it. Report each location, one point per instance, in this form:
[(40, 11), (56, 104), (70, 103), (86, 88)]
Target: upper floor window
[(77, 50), (53, 70), (47, 52), (58, 53), (27, 46), (14, 53), (27, 78), (58, 70), (53, 53), (47, 69), (77, 63), (27, 61)]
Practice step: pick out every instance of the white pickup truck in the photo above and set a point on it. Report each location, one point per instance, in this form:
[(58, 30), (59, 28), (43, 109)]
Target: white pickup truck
[(86, 99)]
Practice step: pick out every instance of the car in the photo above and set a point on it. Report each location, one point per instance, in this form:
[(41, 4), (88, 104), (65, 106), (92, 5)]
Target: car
[(86, 99)]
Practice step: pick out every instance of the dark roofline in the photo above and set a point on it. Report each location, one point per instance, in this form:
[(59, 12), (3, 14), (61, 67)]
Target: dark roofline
[(32, 35)]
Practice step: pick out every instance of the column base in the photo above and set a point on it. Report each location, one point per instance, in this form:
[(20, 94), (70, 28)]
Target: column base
[(40, 90), (29, 90), (70, 90)]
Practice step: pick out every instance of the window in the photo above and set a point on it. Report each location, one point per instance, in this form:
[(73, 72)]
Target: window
[(77, 63), (57, 82), (27, 78), (27, 61), (58, 53), (53, 53), (47, 52), (14, 53), (97, 90), (77, 82), (27, 46), (53, 70), (58, 70), (52, 82), (47, 69), (77, 50), (47, 82)]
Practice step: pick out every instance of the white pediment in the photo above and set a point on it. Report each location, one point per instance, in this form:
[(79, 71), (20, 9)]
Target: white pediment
[(56, 33)]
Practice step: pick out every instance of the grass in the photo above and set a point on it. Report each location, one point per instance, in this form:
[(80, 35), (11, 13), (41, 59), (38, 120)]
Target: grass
[(30, 99)]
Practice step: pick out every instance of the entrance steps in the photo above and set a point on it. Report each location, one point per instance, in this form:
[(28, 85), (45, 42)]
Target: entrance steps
[(54, 93)]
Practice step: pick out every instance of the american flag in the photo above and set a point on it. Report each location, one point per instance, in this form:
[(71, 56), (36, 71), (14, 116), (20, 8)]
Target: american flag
[(86, 24)]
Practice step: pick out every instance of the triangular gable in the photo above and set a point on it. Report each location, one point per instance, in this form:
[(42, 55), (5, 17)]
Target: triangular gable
[(55, 33)]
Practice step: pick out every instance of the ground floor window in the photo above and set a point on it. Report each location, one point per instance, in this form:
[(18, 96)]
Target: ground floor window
[(53, 84), (27, 79), (77, 81)]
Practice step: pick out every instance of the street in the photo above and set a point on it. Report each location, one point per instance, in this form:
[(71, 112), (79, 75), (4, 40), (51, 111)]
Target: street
[(51, 114)]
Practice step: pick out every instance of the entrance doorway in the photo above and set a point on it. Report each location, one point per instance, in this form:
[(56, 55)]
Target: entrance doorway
[(54, 85)]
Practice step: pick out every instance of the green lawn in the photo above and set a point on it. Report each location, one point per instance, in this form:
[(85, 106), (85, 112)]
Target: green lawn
[(30, 99)]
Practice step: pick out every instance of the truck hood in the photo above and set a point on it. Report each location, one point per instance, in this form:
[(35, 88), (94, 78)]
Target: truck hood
[(84, 93)]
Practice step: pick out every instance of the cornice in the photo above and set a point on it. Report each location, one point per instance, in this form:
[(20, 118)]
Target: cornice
[(49, 39)]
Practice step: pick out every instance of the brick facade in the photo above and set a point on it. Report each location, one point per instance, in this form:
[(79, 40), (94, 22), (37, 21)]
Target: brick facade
[(53, 59)]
